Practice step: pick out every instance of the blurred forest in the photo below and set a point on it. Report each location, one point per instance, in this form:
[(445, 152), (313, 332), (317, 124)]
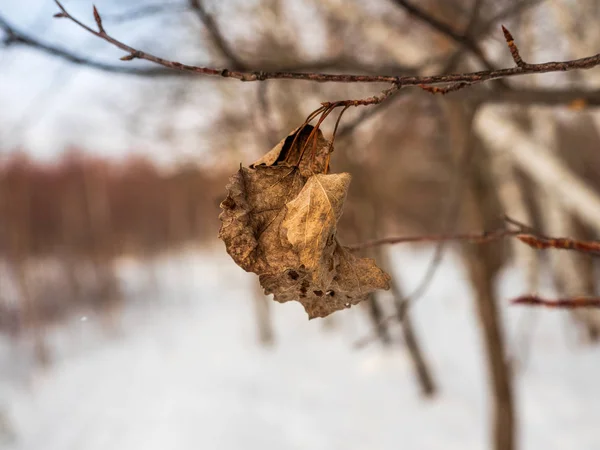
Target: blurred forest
[(421, 164)]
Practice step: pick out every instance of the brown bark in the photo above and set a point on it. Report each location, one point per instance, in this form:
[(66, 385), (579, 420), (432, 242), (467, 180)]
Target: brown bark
[(417, 357), (481, 208), (377, 316)]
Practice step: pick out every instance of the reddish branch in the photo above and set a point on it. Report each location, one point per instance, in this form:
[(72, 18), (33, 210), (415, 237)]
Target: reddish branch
[(400, 81), (374, 100), (475, 238), (541, 242), (534, 239), (526, 235), (522, 232), (14, 36), (563, 303)]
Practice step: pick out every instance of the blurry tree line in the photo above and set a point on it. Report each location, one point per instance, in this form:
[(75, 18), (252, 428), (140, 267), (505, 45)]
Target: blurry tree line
[(74, 218)]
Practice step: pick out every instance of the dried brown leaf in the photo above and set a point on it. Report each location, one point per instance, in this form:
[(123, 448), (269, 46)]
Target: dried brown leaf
[(315, 158), (252, 215), (311, 219), (279, 221)]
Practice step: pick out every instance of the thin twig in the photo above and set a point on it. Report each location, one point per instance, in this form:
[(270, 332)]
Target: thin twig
[(479, 31), (514, 51), (13, 36), (542, 243), (520, 225), (348, 128), (374, 100), (400, 81), (16, 37), (578, 97), (562, 303), (535, 241), (529, 236), (474, 238), (216, 35), (462, 39), (522, 232)]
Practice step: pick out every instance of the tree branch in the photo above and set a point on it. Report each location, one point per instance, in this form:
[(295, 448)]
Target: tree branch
[(400, 81), (216, 35), (524, 233), (13, 36), (474, 238), (562, 303), (464, 40)]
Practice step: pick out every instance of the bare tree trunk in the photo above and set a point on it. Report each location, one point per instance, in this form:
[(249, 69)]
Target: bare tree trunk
[(422, 370), (524, 258), (368, 223), (377, 316), (424, 377), (560, 184), (481, 208), (514, 205), (573, 272), (482, 275)]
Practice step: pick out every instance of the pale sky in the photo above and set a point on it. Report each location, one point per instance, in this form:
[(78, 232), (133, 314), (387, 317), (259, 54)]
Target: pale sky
[(47, 105)]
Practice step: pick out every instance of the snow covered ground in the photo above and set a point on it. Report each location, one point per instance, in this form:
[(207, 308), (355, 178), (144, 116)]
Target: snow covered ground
[(186, 372)]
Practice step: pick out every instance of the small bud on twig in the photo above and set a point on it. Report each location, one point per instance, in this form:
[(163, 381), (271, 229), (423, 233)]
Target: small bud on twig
[(514, 51), (98, 20)]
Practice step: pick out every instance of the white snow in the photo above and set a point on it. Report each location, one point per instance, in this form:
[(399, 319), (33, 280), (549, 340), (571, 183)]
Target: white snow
[(186, 372)]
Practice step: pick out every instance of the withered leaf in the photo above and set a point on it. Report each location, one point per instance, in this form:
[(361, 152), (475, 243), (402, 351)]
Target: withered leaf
[(284, 154), (279, 221), (252, 215), (311, 219)]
